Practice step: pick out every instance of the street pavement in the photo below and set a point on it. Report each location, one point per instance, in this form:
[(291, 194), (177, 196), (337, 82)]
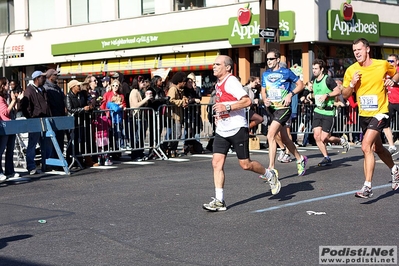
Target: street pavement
[(150, 213)]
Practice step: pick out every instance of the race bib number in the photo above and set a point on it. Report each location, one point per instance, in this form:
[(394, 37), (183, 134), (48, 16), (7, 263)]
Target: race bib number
[(369, 102), (274, 95), (223, 116), (318, 100)]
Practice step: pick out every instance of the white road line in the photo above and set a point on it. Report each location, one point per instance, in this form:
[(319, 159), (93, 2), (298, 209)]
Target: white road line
[(259, 151), (316, 199), (104, 167), (203, 155), (138, 163), (178, 160)]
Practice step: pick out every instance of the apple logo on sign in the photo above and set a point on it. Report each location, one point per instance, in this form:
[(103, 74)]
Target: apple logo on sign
[(244, 15), (346, 10)]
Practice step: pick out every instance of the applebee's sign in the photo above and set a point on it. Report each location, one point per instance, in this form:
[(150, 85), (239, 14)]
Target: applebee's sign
[(243, 35), (346, 11), (347, 25), (245, 32), (243, 26), (244, 15), (287, 25)]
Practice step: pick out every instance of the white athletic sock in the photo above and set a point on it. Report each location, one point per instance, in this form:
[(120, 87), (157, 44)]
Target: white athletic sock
[(268, 174), (394, 169), (219, 194), (367, 183)]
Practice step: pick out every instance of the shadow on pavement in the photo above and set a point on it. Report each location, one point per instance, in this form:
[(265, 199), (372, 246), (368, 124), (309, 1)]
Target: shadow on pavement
[(285, 194), (383, 196), (11, 262), (4, 241), (288, 192)]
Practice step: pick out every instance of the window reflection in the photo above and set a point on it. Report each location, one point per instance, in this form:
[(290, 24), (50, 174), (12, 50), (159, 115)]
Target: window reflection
[(6, 16), (188, 4)]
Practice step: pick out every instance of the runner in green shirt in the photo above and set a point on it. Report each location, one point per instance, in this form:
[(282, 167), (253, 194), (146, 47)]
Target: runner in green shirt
[(325, 89)]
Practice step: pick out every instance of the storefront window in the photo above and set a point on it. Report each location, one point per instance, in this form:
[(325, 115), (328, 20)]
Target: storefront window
[(388, 51), (188, 4), (135, 8), (128, 9), (78, 9), (390, 1), (86, 11), (208, 81), (6, 16), (344, 57), (148, 7), (36, 21), (395, 2)]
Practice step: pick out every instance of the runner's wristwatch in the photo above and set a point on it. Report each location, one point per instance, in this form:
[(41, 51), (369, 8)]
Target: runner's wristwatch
[(228, 108)]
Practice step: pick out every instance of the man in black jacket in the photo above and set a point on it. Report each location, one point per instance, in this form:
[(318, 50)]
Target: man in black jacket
[(56, 102), (76, 104), (34, 105)]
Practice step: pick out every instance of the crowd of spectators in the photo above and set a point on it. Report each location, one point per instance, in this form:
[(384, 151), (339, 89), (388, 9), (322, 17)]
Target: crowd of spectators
[(119, 115), (110, 117)]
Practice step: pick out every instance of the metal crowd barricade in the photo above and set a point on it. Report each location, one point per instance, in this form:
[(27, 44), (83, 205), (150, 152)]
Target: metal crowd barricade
[(47, 127), (346, 120), (140, 128), (103, 132), (175, 124), (158, 130)]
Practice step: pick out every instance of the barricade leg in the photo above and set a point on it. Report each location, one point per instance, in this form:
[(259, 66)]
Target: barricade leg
[(51, 161), (72, 149)]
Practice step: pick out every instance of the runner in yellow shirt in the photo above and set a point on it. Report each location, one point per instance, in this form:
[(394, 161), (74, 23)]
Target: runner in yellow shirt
[(366, 78)]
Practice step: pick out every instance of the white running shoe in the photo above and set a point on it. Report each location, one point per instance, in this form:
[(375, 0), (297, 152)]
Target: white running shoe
[(280, 155), (215, 205), (271, 176), (287, 158), (392, 150), (345, 144), (395, 178), (108, 162)]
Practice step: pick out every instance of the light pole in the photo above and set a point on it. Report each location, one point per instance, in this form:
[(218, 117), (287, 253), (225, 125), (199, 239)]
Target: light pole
[(27, 34), (269, 18)]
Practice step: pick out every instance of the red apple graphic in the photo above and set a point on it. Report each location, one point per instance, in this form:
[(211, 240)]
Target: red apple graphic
[(244, 15), (347, 10)]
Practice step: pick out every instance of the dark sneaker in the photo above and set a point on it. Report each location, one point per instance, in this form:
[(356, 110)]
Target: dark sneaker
[(215, 205), (302, 166), (395, 178), (364, 193), (325, 162)]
